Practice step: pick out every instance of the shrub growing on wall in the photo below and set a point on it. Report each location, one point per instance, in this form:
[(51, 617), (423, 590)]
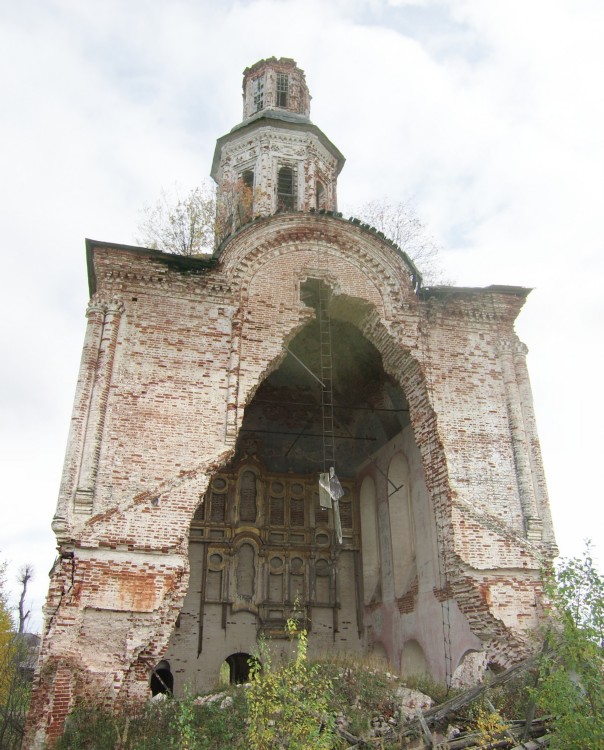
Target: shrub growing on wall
[(571, 679), (288, 706)]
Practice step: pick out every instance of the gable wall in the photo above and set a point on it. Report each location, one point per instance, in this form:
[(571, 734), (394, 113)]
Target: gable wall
[(171, 358)]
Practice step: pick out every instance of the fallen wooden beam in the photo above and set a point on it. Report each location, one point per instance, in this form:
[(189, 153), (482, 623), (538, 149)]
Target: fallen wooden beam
[(475, 740), (438, 713)]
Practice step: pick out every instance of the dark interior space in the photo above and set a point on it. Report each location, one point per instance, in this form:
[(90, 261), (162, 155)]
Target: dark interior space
[(239, 668), (283, 423)]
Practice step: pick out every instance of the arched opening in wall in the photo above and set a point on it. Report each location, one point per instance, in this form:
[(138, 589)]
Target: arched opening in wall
[(320, 195), (264, 549), (235, 669), (245, 197), (401, 524), (162, 679), (370, 544), (413, 660), (286, 189), (378, 655)]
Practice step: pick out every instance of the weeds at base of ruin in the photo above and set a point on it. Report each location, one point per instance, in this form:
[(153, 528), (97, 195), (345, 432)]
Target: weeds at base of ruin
[(357, 697), (158, 725)]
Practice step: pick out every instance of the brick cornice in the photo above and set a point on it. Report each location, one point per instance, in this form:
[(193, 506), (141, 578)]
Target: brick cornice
[(117, 267), (490, 304)]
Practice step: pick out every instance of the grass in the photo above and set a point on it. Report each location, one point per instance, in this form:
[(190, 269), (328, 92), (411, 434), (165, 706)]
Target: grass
[(362, 689), (158, 726)]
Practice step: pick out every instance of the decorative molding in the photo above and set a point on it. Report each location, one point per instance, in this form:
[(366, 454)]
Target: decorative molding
[(232, 396), (507, 349), (103, 301), (61, 529), (198, 281), (104, 317), (512, 344)]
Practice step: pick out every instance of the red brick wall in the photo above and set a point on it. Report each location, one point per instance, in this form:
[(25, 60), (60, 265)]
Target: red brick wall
[(191, 345)]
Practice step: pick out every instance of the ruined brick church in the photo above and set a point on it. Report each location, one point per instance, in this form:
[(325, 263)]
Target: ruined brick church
[(294, 425)]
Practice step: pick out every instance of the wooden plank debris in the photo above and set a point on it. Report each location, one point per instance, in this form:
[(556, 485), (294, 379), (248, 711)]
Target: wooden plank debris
[(521, 734)]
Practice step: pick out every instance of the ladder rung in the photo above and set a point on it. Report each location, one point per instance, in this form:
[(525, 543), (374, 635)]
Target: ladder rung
[(326, 363)]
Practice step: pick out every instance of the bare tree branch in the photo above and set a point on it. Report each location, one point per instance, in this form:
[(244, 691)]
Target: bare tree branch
[(26, 573), (183, 225), (400, 223)]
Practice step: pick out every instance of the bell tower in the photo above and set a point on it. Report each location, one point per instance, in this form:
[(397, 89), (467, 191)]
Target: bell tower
[(276, 159)]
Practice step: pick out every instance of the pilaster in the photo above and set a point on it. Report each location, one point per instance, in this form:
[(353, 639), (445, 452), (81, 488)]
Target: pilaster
[(103, 326), (524, 477)]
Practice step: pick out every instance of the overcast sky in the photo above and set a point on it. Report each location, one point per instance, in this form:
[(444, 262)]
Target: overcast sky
[(487, 114)]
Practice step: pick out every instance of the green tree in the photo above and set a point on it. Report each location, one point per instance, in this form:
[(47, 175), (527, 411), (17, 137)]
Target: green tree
[(16, 657), (288, 706), (6, 630), (9, 725), (571, 678)]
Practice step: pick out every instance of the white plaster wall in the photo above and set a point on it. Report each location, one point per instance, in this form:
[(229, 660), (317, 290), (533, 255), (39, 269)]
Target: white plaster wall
[(201, 672), (415, 615)]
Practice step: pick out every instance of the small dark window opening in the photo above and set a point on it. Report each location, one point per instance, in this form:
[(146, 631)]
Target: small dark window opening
[(296, 511), (245, 197), (247, 178), (320, 196), (239, 667), (258, 93), (286, 193), (162, 679), (282, 89)]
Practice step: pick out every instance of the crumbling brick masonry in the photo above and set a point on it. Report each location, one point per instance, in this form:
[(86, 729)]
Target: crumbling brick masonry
[(190, 517)]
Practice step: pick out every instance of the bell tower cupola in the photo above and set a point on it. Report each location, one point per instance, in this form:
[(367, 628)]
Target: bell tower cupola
[(277, 85), (275, 160)]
